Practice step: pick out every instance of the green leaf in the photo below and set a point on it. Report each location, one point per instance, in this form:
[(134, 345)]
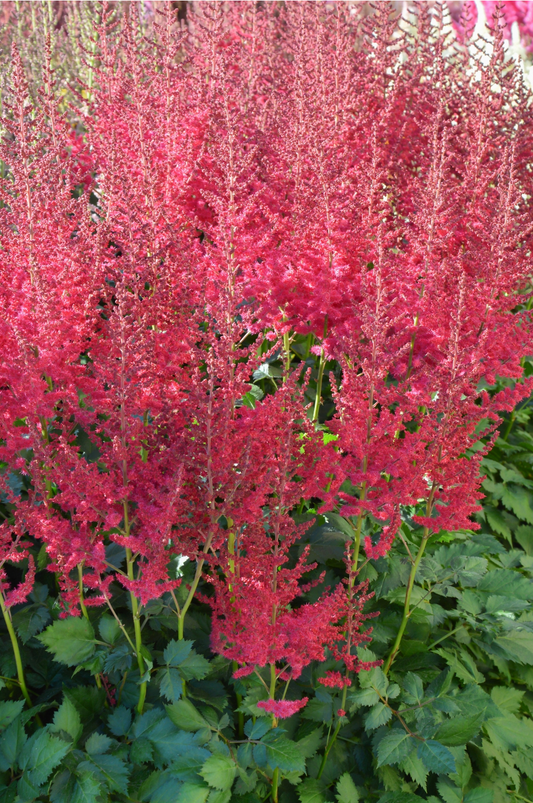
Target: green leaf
[(310, 791), (346, 790), (516, 645), (71, 641), (109, 628), (9, 709), (257, 729), (97, 744), (436, 757), (188, 766), (394, 747), (367, 697), (500, 581), (413, 689), (283, 753), (41, 754), (70, 788), (194, 666), (192, 793), (26, 791), (416, 768), (109, 770), (518, 500), (141, 751), (449, 792), (310, 743), (119, 721), (176, 652), (67, 719), (219, 771), (508, 732), (11, 743), (183, 714), (507, 699), (459, 730), (377, 716), (219, 795), (479, 796), (170, 684)]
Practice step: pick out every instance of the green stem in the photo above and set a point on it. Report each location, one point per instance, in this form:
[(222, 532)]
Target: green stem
[(333, 738), (287, 350), (16, 650), (447, 635), (137, 630), (272, 693), (407, 603), (321, 366)]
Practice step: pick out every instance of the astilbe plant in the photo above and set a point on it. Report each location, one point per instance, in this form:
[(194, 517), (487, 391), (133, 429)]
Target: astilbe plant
[(295, 183)]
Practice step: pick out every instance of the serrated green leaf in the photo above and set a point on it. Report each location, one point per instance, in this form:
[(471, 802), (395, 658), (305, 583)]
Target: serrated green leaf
[(394, 747), (377, 716), (257, 729), (188, 766), (310, 791), (507, 699), (436, 757), (459, 730), (320, 709), (219, 771), (176, 652), (98, 743), (41, 754), (366, 697), (413, 689), (449, 792), (219, 796), (310, 743), (170, 684), (283, 753), (109, 629), (416, 768), (194, 666), (184, 714), (71, 641), (508, 732), (70, 788), (479, 796), (192, 793), (26, 791), (500, 581), (109, 770), (346, 789), (515, 645), (141, 751), (119, 721), (9, 709), (67, 719), (11, 743)]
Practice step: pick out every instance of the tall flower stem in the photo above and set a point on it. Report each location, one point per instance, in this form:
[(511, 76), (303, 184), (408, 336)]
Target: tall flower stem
[(333, 738), (410, 585), (320, 377), (135, 609), (272, 692), (16, 649)]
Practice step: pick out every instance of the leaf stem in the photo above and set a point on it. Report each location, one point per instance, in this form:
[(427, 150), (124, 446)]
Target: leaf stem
[(16, 650)]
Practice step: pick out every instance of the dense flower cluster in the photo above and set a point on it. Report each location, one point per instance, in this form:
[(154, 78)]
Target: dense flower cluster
[(265, 174)]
